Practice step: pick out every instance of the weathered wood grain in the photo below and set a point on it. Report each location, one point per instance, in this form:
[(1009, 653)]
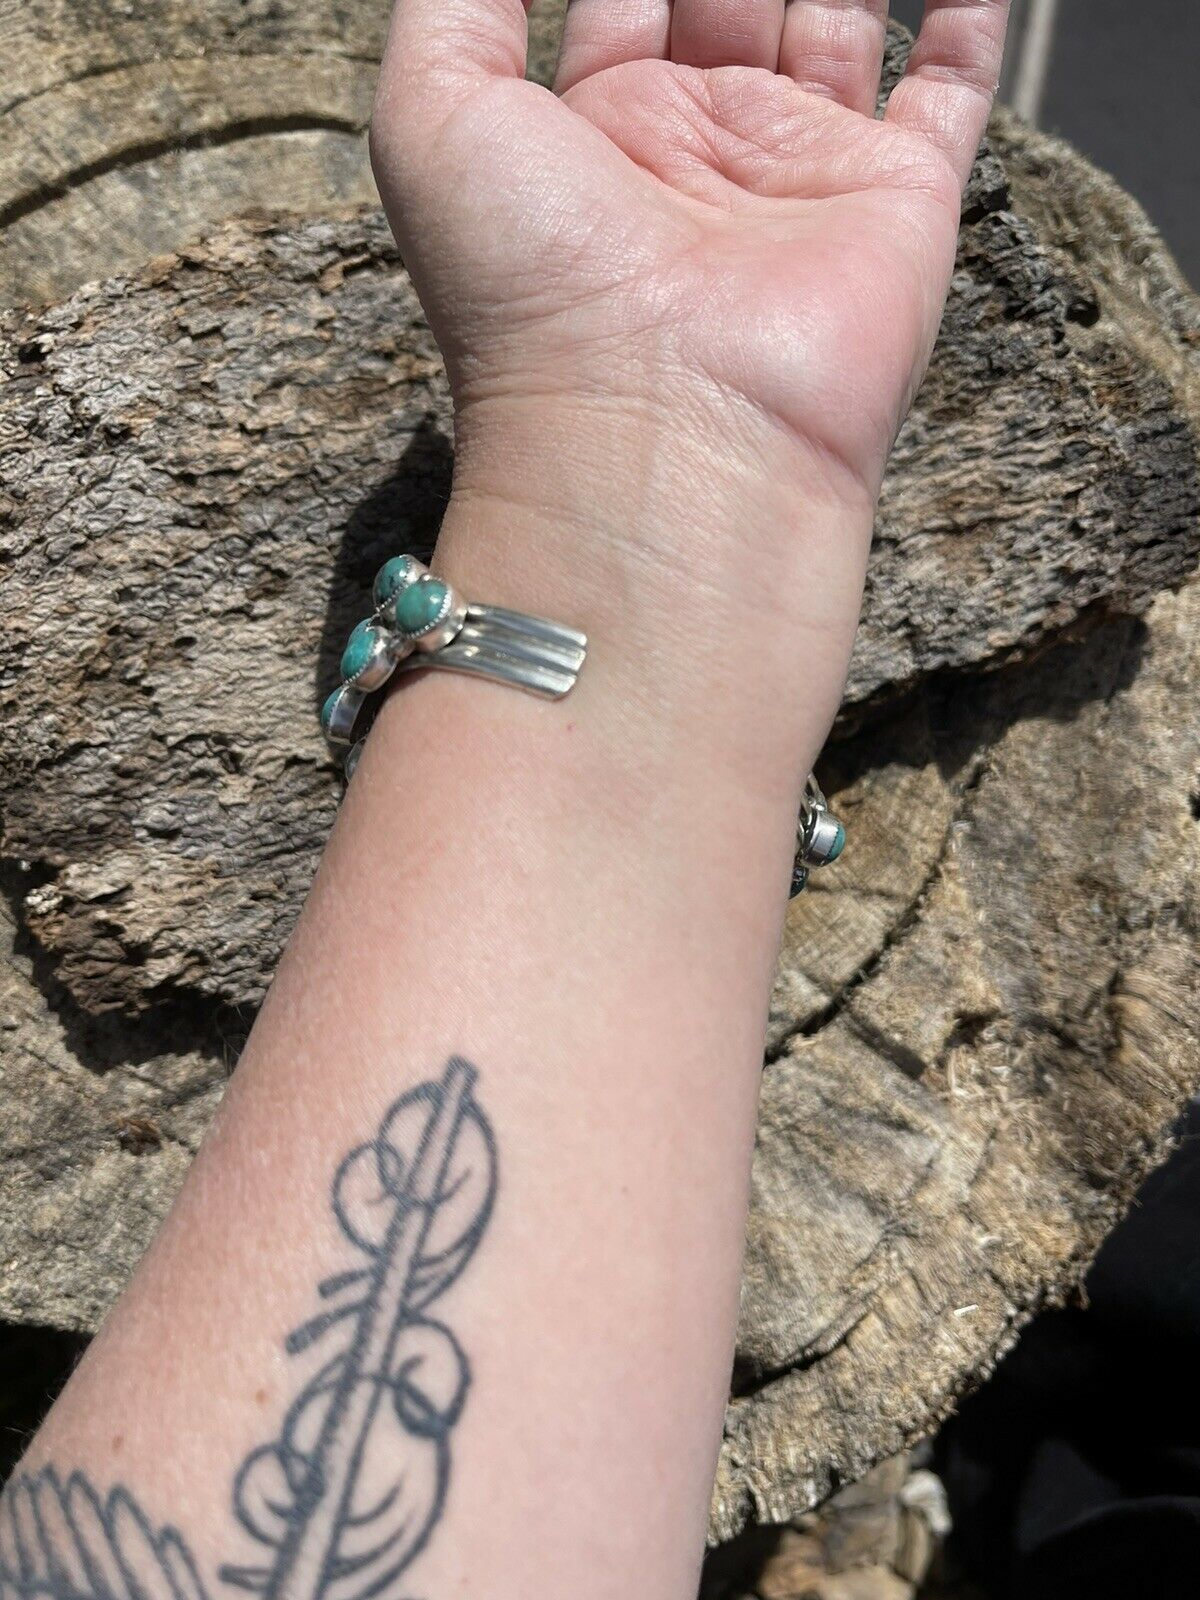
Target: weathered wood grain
[(983, 1018), (98, 1123), (957, 1108), (126, 131), (267, 414), (874, 1540)]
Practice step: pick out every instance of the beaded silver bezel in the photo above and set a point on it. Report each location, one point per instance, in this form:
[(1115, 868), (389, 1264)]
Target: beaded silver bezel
[(445, 627), (380, 666), (348, 703), (386, 609)]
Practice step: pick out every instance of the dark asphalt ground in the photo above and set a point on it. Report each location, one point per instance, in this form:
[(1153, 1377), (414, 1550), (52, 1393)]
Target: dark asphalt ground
[(1123, 86)]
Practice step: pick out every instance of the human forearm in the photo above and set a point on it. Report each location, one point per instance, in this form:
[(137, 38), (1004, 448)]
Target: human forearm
[(682, 310), (583, 899)]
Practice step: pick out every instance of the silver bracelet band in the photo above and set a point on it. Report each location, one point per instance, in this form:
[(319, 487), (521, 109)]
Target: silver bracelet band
[(420, 623), (509, 647)]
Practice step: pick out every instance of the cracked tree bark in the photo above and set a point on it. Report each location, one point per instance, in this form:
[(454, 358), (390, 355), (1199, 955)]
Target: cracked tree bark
[(983, 1021)]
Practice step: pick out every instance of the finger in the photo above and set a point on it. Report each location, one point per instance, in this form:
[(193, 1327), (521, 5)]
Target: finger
[(835, 48), (607, 33), (953, 72), (454, 39), (726, 33)]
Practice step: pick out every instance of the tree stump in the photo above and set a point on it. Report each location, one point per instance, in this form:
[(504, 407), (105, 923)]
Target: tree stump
[(984, 1019), (128, 130), (881, 1538)]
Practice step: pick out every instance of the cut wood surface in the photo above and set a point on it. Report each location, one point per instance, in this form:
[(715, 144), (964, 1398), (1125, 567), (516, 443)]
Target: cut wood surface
[(984, 1016), (126, 130)]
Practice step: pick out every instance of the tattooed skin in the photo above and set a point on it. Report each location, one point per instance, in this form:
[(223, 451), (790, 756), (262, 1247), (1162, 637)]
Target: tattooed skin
[(60, 1538), (347, 1493)]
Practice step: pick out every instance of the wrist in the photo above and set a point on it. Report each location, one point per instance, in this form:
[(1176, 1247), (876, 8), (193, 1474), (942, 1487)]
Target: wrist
[(656, 512), (716, 572)]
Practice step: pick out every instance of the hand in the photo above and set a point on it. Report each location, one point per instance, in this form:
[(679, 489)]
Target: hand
[(706, 238)]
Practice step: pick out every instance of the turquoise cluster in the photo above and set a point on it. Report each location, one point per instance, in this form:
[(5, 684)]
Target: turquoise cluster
[(409, 603)]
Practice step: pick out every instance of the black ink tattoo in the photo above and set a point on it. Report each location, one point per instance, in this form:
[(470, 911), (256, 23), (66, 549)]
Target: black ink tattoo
[(62, 1541), (347, 1494)]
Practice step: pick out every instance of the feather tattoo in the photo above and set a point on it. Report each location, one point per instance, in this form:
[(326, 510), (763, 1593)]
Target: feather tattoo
[(346, 1495), (60, 1540)]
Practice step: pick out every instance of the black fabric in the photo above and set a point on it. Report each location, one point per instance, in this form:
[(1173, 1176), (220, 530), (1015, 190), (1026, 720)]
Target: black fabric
[(1075, 1471)]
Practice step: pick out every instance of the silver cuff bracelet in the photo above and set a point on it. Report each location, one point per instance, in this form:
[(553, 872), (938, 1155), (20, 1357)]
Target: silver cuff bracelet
[(820, 837), (509, 647), (420, 622)]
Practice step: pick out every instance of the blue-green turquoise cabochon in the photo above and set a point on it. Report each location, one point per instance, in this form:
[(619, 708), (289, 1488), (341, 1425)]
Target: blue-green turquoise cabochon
[(421, 605), (360, 648), (393, 576)]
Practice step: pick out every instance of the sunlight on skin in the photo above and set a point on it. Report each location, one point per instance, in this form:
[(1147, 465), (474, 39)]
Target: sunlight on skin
[(754, 243), (683, 307)]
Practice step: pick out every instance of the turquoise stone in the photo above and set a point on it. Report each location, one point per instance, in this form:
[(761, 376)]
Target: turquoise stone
[(420, 606), (360, 647), (328, 709), (839, 844), (392, 576)]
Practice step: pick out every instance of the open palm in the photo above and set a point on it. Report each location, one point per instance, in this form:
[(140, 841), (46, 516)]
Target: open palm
[(708, 196), (684, 300)]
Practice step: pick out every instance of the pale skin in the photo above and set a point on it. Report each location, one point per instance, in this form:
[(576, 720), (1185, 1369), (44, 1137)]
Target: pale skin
[(684, 301)]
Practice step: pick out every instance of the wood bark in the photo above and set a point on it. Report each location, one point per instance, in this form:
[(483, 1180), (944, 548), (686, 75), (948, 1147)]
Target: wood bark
[(882, 1538), (984, 1017)]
